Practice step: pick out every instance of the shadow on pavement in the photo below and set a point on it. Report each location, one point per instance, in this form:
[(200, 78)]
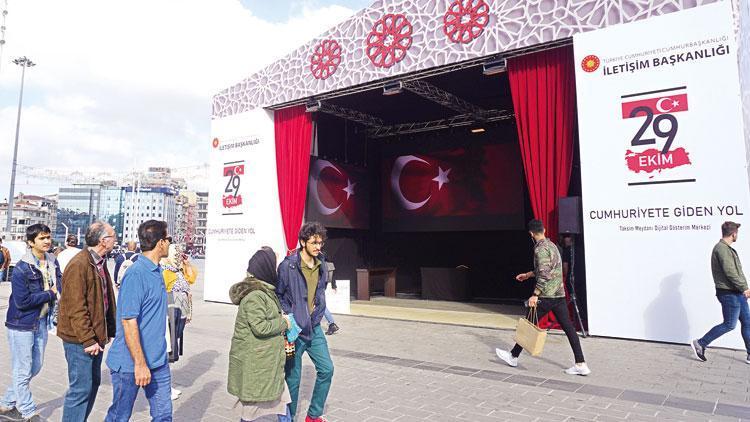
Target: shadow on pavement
[(194, 407), (507, 343), (50, 406), (189, 370)]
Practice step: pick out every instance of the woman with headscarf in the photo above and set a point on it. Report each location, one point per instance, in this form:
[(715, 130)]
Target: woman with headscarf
[(178, 276), (257, 357)]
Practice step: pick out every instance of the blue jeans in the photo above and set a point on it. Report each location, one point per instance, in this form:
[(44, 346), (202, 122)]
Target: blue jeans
[(84, 377), (27, 357), (158, 393), (317, 349), (733, 307), (2, 275), (329, 316)]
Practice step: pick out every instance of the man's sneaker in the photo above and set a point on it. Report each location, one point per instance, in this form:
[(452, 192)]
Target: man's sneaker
[(332, 328), (33, 418), (10, 414), (176, 394), (581, 369), (747, 361), (507, 357), (318, 419), (699, 351)]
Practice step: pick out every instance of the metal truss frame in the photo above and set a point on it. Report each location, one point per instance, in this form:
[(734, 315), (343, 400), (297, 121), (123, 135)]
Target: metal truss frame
[(455, 121)]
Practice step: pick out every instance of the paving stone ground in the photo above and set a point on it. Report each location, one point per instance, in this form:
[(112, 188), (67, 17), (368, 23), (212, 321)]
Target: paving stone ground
[(388, 370)]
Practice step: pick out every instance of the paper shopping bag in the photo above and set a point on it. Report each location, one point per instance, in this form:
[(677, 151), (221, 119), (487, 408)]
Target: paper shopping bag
[(529, 335)]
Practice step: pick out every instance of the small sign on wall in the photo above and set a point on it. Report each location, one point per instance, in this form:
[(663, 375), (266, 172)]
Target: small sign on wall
[(339, 302)]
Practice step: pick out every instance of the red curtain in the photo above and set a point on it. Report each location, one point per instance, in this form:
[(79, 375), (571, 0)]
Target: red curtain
[(543, 89), (293, 132)]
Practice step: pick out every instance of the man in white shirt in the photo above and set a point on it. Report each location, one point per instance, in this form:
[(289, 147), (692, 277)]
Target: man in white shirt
[(71, 249)]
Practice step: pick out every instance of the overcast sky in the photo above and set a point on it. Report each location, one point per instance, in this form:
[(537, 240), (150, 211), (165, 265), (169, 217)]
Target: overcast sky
[(119, 82)]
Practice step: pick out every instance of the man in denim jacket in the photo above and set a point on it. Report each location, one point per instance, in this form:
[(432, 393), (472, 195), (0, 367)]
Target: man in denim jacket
[(34, 292), (301, 290)]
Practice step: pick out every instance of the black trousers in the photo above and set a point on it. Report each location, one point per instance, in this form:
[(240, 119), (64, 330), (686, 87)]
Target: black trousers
[(559, 308)]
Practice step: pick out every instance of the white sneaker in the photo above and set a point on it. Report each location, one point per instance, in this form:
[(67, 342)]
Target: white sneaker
[(582, 369), (507, 357), (176, 394)]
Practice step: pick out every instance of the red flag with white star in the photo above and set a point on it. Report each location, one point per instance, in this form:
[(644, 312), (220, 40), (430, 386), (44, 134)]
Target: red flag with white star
[(480, 185)]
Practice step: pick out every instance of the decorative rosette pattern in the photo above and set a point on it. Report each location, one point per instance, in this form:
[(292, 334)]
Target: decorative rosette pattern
[(325, 59), (465, 20), (389, 39)]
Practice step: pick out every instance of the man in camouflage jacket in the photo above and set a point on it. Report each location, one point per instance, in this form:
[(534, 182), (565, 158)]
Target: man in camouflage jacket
[(548, 296)]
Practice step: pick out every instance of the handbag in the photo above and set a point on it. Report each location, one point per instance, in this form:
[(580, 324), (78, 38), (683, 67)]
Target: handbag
[(529, 335), (289, 349)]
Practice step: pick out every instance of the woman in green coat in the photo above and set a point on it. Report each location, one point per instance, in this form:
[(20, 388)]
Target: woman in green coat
[(257, 357)]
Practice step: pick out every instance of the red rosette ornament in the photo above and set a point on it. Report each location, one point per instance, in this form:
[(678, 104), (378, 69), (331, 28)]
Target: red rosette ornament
[(325, 59), (465, 20), (389, 40)]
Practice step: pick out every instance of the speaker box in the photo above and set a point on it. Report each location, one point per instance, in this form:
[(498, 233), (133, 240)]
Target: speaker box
[(569, 211)]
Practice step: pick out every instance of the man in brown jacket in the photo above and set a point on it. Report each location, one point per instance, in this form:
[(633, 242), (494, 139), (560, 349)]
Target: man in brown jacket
[(86, 322)]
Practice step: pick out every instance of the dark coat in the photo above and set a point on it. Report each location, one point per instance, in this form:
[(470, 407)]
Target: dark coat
[(28, 296), (292, 291)]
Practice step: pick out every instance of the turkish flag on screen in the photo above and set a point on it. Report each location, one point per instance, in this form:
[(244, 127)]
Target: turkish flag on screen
[(338, 195), (465, 182)]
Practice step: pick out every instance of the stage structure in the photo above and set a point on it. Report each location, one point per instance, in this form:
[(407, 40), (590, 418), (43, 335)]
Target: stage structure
[(365, 70)]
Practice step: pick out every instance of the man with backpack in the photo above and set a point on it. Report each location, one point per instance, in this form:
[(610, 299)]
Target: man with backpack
[(4, 261), (124, 261)]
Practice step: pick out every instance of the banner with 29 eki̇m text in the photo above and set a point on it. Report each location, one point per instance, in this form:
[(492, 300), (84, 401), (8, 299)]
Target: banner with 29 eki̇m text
[(243, 207), (663, 166)]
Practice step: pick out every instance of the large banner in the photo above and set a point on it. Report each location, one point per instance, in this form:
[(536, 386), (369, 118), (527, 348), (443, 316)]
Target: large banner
[(472, 188), (663, 166), (243, 208)]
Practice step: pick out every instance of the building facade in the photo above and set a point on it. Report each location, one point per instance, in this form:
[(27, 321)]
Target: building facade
[(201, 210), (28, 210), (147, 203)]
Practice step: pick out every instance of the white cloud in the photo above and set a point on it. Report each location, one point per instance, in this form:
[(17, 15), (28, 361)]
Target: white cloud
[(122, 80)]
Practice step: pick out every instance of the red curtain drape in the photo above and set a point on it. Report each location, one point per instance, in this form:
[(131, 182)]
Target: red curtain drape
[(543, 89), (293, 132)]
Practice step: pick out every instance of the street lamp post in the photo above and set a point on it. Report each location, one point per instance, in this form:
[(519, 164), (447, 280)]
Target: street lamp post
[(24, 63)]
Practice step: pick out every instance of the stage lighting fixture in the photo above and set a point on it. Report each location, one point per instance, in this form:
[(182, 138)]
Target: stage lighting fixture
[(477, 130), (493, 67), (312, 106), (393, 88)]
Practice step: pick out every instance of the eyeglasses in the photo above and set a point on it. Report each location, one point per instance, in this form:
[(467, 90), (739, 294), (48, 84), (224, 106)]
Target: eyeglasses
[(319, 244), (168, 239)]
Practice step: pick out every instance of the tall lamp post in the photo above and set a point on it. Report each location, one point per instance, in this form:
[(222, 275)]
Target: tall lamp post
[(24, 62)]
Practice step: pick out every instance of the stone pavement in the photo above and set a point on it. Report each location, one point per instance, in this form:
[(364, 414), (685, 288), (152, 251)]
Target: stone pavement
[(390, 370)]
